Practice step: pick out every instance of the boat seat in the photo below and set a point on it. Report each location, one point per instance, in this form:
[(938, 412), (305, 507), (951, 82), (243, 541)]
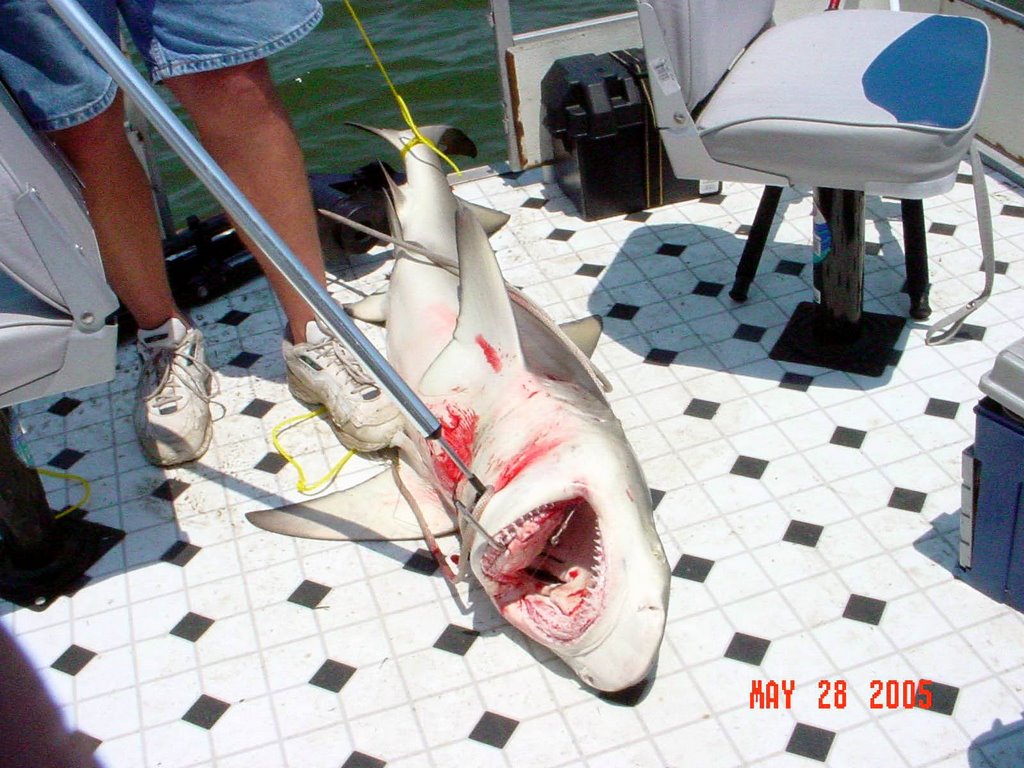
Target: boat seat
[(848, 102), (56, 311)]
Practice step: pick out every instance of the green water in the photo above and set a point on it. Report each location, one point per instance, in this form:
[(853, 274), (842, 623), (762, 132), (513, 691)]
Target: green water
[(440, 55)]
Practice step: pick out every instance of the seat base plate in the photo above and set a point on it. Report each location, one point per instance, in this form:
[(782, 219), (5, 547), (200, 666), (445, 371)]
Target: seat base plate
[(867, 355)]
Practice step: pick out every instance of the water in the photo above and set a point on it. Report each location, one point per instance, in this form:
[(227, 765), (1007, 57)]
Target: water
[(440, 55)]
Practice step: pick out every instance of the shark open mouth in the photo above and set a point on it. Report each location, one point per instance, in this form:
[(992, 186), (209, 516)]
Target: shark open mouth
[(548, 578)]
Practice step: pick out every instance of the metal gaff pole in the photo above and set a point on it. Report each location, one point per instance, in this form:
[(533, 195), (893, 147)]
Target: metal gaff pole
[(249, 219)]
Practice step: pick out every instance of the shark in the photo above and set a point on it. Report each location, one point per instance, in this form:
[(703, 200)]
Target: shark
[(563, 540)]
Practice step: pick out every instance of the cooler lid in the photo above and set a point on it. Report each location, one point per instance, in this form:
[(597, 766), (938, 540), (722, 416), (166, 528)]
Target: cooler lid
[(1005, 382)]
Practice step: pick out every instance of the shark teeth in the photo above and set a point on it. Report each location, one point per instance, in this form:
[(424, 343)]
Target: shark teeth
[(552, 566)]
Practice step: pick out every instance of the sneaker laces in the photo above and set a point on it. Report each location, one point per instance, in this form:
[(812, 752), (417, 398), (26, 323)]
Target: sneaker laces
[(324, 350), (170, 367)]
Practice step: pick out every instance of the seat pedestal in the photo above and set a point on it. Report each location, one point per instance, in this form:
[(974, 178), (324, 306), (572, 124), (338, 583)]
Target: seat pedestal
[(40, 558), (834, 331)]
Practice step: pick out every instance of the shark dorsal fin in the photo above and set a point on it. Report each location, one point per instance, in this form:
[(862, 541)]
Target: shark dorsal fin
[(486, 340)]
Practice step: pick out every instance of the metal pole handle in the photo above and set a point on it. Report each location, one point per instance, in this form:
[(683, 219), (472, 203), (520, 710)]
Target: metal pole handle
[(246, 217)]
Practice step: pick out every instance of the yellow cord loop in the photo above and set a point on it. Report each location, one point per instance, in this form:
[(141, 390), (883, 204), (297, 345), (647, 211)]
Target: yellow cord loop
[(86, 489), (302, 485), (406, 114)]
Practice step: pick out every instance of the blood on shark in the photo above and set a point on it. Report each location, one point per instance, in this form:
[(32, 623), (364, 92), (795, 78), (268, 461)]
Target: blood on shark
[(571, 557)]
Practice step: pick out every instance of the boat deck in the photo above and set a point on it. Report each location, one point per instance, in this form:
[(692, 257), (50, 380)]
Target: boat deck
[(810, 516)]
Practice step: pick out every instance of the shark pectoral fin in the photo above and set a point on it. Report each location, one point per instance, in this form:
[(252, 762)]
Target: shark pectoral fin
[(372, 309), (584, 333), (490, 219), (374, 510)]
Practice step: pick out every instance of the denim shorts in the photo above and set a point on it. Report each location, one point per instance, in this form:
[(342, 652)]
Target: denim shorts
[(60, 85)]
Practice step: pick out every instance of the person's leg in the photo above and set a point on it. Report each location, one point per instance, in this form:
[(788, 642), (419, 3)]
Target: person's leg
[(123, 216), (244, 126)]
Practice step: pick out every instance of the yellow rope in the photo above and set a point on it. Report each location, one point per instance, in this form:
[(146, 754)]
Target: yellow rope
[(302, 485), (406, 114), (86, 489)]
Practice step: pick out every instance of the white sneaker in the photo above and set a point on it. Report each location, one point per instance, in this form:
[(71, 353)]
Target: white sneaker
[(172, 413), (321, 371)]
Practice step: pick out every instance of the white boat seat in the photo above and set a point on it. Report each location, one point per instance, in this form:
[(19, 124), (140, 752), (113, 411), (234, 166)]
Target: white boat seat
[(864, 100), (850, 98), (55, 305)]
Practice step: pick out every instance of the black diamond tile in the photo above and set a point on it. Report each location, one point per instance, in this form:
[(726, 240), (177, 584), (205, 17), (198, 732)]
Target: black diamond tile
[(999, 267), (64, 406), (907, 500), (872, 249), (623, 311), (179, 553), (671, 249), (66, 459), (332, 675), (943, 698), (244, 359), (799, 381), (257, 408), (456, 639), (866, 609), (205, 712), (234, 317), (704, 288), (192, 627), (944, 409), (752, 333), (494, 730), (534, 202), (971, 332), (787, 267), (272, 463), (170, 489), (743, 230), (942, 229), (803, 533), (639, 216), (590, 270), (713, 199), (964, 178), (747, 648), (693, 568), (746, 466), (511, 175), (561, 234), (848, 438), (701, 409), (309, 594), (656, 497), (808, 741), (1012, 210), (421, 561), (362, 760), (73, 660), (84, 743), (661, 357)]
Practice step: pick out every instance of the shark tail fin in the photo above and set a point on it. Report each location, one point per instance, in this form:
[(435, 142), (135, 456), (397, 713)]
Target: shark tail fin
[(449, 140)]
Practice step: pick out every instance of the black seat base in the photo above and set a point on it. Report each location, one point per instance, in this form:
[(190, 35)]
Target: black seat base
[(867, 355)]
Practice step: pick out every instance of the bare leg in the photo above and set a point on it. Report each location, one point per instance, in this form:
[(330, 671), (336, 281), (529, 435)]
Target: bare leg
[(123, 217), (246, 129)]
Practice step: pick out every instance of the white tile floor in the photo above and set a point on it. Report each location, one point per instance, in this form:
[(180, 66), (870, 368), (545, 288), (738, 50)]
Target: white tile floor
[(811, 517)]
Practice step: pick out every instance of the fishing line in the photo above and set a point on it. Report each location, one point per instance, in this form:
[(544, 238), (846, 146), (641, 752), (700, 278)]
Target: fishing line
[(302, 485), (406, 114), (86, 489)]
